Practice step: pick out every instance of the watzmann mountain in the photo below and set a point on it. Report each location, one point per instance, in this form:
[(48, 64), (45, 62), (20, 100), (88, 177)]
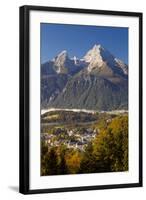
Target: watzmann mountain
[(98, 81)]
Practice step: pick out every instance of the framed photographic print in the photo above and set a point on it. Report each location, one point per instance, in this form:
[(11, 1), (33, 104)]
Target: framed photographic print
[(80, 99)]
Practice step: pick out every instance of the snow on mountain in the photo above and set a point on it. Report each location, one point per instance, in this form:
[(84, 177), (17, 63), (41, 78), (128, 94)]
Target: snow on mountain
[(60, 61), (96, 58), (75, 60), (94, 53), (122, 65), (99, 80), (99, 57), (64, 64)]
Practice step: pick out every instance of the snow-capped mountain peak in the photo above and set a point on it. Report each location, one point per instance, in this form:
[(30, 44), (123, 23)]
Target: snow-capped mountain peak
[(98, 52), (93, 53), (95, 56), (62, 54), (97, 59), (60, 61), (97, 47), (98, 77)]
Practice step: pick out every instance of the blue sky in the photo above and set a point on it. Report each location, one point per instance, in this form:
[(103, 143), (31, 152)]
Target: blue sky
[(78, 39)]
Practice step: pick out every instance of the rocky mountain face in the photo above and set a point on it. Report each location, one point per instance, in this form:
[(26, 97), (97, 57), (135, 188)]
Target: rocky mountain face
[(98, 81)]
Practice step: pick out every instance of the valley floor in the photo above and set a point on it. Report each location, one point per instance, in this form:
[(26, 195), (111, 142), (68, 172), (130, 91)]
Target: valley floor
[(67, 136)]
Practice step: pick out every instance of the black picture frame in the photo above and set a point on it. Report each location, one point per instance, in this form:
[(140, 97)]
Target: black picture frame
[(25, 105)]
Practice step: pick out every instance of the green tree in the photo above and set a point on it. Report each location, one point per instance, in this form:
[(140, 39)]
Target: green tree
[(88, 161), (51, 162), (119, 128), (62, 169), (109, 150), (44, 151), (111, 146), (73, 160)]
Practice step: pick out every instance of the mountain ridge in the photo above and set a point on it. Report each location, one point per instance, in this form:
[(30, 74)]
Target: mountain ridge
[(98, 80)]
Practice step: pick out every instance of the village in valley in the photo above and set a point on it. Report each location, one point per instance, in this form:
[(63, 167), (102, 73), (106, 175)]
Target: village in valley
[(76, 138), (72, 129), (72, 140)]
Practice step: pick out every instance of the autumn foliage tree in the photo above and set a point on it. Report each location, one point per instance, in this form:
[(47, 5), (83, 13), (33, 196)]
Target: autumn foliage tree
[(108, 152), (73, 160)]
